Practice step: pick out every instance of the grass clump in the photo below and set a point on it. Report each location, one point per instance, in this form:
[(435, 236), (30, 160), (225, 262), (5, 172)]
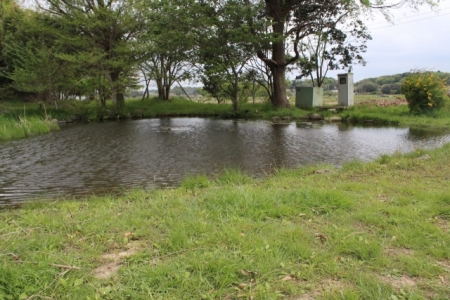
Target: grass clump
[(376, 230), (23, 127), (195, 182)]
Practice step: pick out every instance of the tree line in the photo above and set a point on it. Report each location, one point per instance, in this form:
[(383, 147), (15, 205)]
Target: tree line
[(390, 84), (99, 49)]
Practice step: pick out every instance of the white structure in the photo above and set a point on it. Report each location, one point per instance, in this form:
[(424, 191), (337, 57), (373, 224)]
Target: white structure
[(345, 87)]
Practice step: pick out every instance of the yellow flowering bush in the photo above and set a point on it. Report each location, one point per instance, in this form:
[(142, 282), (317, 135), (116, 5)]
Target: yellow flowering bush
[(424, 92)]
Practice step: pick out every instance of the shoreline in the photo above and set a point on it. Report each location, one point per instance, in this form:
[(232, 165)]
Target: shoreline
[(369, 230)]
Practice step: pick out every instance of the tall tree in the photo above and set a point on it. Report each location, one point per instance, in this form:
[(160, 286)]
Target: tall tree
[(7, 8), (225, 46), (32, 47), (168, 44), (109, 28)]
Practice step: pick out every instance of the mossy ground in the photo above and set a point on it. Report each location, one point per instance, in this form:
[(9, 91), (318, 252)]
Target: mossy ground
[(377, 230)]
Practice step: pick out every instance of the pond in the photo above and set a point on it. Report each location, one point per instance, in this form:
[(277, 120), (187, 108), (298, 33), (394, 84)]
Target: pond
[(103, 157)]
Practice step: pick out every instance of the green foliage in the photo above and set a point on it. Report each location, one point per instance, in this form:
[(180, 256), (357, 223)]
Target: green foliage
[(330, 49), (366, 86), (391, 84), (225, 46), (168, 45), (424, 92), (386, 89)]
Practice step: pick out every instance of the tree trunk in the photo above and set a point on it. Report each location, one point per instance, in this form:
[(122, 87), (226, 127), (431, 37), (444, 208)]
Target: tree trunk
[(160, 86), (236, 93), (147, 83), (277, 65), (167, 91), (118, 93), (279, 98), (120, 99)]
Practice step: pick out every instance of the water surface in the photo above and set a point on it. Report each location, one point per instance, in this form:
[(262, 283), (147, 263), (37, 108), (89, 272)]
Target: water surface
[(103, 157)]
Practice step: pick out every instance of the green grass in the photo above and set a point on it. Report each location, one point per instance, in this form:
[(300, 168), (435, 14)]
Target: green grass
[(11, 128), (377, 230), (398, 115), (10, 111)]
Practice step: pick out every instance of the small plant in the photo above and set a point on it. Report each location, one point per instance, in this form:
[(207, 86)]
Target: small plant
[(197, 181), (424, 92)]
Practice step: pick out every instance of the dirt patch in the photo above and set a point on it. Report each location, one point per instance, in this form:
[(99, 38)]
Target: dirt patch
[(113, 261), (107, 270), (443, 224), (305, 297), (399, 281), (325, 286), (384, 103), (398, 251), (383, 198), (445, 264)]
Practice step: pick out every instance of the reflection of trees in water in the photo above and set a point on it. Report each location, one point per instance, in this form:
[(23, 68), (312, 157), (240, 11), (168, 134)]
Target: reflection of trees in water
[(278, 146), (415, 134), (344, 126), (349, 126)]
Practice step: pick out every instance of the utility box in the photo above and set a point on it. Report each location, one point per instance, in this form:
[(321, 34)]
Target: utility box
[(345, 87), (307, 97)]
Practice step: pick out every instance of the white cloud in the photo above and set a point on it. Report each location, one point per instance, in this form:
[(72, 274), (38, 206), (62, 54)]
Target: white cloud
[(416, 40)]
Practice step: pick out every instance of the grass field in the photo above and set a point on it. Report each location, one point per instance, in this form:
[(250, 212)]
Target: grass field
[(377, 230)]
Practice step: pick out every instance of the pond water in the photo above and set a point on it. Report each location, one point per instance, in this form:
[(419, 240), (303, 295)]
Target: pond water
[(102, 157)]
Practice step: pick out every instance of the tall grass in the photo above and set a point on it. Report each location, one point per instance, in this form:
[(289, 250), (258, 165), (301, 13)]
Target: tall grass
[(23, 127)]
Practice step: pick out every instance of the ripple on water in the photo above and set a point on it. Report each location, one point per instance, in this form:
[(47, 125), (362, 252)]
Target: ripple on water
[(105, 157)]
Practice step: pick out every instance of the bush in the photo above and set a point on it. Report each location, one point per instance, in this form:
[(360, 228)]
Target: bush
[(386, 89), (424, 92)]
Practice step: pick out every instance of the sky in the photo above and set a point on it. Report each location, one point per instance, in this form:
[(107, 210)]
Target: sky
[(415, 40)]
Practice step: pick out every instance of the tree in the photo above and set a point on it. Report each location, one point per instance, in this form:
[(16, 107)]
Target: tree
[(290, 21), (31, 48), (366, 86), (329, 83), (330, 49), (8, 8), (110, 29), (224, 48), (168, 44), (396, 88), (263, 76), (251, 78), (386, 89)]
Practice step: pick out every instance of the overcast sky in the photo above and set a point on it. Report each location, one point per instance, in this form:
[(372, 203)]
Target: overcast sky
[(416, 40)]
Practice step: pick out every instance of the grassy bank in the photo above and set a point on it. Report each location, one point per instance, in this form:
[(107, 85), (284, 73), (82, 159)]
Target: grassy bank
[(369, 112), (11, 128), (376, 230), (397, 115)]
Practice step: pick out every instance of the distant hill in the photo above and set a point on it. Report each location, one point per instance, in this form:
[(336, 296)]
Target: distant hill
[(389, 84)]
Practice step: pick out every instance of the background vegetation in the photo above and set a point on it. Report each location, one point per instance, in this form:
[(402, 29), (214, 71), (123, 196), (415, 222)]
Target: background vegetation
[(58, 50)]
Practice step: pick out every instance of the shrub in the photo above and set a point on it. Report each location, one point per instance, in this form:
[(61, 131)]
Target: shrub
[(386, 89), (424, 92)]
